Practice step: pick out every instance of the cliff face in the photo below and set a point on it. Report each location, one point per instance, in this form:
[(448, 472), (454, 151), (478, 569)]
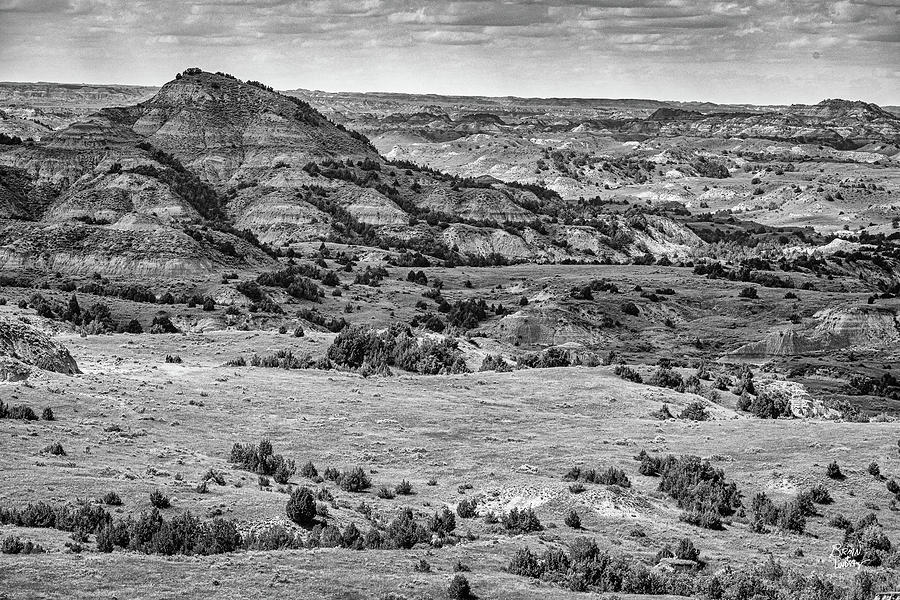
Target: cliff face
[(838, 327)]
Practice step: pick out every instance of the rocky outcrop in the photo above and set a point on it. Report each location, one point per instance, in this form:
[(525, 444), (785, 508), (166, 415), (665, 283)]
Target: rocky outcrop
[(801, 402), (25, 343), (479, 204), (544, 326), (835, 328)]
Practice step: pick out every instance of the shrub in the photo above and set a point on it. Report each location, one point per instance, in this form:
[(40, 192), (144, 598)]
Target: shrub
[(819, 494), (459, 588), (577, 487), (55, 449), (628, 374), (667, 378), (404, 488), (309, 471), (284, 471), (262, 460), (791, 517), (385, 493), (466, 508), (521, 521), (354, 480), (403, 532), (695, 411), (767, 406), (215, 476), (460, 567), (833, 471), (443, 522), (162, 324), (301, 506), (697, 487), (874, 470), (495, 362), (663, 413), (573, 520), (159, 500), (611, 476), (111, 499), (14, 545), (422, 566), (48, 415), (748, 292), (363, 348), (20, 411), (630, 308)]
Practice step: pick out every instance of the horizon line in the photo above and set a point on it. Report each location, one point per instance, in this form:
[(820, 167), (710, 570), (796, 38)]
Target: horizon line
[(510, 96)]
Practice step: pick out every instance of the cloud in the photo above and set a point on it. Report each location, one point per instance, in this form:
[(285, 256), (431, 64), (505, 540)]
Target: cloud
[(469, 43)]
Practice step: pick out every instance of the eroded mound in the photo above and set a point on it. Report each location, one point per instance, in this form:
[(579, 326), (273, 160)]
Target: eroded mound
[(31, 346)]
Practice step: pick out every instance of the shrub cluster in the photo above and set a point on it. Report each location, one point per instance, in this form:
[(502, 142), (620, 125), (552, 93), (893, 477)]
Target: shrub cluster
[(521, 521), (628, 374), (611, 476), (363, 348), (294, 279), (585, 568), (19, 411), (262, 460), (699, 489)]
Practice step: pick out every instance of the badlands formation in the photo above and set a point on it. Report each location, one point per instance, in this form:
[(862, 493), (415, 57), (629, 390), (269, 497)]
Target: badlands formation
[(257, 343)]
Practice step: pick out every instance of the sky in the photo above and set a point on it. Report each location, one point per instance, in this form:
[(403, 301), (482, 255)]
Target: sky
[(756, 51)]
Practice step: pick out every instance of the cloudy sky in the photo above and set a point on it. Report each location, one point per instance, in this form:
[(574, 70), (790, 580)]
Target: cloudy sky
[(761, 51)]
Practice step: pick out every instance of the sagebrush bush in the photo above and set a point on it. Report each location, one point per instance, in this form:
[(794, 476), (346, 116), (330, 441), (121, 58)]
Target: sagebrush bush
[(572, 520)]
